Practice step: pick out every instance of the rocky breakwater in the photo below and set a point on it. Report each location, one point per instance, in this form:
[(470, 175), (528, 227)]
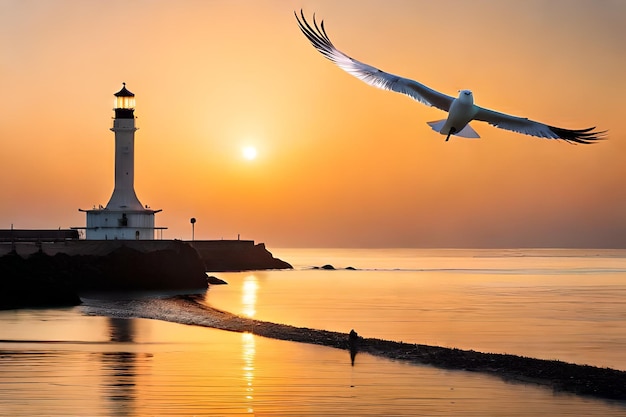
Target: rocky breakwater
[(32, 282), (55, 274), (236, 255)]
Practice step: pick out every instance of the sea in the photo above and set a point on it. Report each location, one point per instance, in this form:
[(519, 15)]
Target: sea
[(98, 359)]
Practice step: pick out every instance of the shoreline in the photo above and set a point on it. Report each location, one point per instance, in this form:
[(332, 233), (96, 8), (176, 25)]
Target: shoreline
[(561, 376), (584, 380)]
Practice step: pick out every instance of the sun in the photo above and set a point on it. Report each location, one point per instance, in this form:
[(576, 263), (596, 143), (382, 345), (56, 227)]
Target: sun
[(249, 152)]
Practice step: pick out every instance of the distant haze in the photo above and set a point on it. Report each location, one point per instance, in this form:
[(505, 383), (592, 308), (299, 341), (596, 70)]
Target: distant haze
[(338, 163)]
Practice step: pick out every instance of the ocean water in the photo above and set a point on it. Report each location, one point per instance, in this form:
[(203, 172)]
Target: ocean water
[(551, 304), (97, 360)]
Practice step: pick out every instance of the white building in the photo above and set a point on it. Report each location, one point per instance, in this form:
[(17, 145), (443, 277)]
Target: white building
[(124, 217)]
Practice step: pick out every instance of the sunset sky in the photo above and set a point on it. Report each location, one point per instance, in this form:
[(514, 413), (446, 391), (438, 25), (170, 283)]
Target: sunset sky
[(339, 163)]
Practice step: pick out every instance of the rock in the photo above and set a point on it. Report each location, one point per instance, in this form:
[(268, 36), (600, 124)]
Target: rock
[(213, 280), (54, 273), (42, 279), (34, 282), (328, 267)]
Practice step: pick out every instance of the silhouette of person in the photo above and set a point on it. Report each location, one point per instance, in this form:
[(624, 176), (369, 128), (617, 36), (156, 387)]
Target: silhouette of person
[(353, 342)]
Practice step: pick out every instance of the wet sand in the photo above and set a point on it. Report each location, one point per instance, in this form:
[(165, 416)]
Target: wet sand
[(560, 376)]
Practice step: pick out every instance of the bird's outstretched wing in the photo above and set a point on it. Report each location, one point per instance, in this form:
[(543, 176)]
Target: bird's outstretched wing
[(533, 128), (316, 34), (366, 73)]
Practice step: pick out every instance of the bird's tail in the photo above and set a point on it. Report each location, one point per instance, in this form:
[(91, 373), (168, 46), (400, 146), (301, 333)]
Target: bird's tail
[(466, 132), (437, 125)]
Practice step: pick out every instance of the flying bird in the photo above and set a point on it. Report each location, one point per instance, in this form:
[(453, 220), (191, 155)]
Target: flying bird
[(461, 110)]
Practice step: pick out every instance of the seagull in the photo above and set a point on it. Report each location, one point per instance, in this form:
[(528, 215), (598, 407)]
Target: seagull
[(461, 110)]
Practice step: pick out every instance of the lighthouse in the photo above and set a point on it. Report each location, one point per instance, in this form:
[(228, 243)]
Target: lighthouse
[(124, 217), (124, 196)]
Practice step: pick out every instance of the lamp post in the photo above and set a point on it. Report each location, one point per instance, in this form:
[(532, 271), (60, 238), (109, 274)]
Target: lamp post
[(193, 223)]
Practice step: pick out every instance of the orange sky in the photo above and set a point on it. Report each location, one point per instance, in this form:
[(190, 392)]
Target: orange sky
[(339, 163)]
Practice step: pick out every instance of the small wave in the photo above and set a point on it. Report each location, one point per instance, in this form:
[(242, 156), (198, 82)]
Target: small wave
[(178, 309)]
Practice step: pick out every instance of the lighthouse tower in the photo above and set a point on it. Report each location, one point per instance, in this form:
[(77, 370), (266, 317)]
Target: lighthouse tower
[(124, 217), (124, 196)]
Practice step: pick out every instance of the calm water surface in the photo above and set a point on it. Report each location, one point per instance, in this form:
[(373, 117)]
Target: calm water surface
[(560, 304), (550, 304)]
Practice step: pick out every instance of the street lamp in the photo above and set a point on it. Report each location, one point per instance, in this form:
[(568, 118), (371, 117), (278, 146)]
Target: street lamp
[(193, 223)]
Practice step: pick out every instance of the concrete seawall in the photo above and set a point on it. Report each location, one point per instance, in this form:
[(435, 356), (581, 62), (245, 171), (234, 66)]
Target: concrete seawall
[(85, 247), (216, 255)]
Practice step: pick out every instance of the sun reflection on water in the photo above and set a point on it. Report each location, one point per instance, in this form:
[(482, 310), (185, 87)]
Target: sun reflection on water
[(248, 353), (248, 295)]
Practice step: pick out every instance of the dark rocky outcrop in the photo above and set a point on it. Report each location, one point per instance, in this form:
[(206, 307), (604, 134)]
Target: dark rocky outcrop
[(329, 267), (52, 273), (34, 282), (40, 279), (236, 255), (213, 280), (177, 267), (326, 267)]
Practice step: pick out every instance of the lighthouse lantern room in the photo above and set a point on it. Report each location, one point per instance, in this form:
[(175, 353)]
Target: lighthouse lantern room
[(124, 217)]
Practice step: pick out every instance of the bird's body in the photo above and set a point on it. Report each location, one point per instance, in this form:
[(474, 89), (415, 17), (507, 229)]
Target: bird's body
[(461, 110)]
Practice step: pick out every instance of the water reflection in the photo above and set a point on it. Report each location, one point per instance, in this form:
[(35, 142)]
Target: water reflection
[(249, 295), (153, 368), (119, 368), (248, 354), (121, 330)]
